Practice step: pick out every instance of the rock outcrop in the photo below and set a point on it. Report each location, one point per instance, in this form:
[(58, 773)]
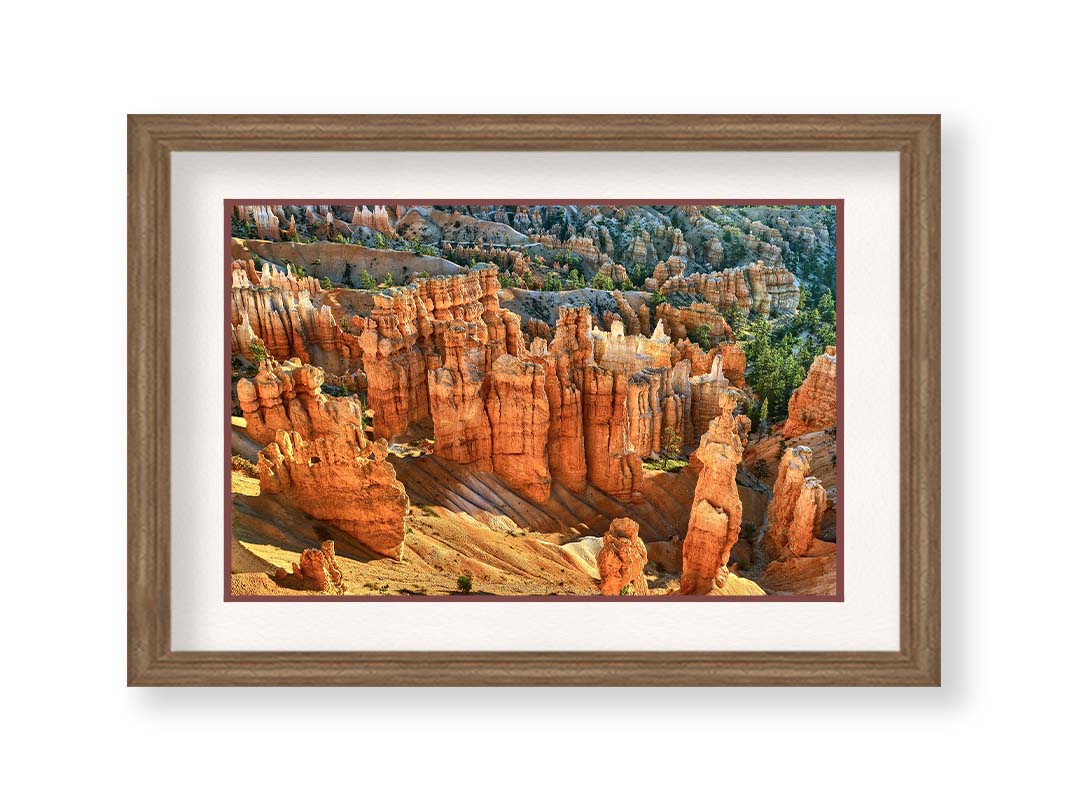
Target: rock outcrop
[(565, 361), (621, 561), (733, 362), (287, 315), (460, 423), (708, 392), (410, 332), (377, 219), (394, 363), (343, 480), (754, 288), (715, 520), (813, 406), (613, 465), (316, 572), (685, 322), (796, 509), (517, 406), (288, 397)]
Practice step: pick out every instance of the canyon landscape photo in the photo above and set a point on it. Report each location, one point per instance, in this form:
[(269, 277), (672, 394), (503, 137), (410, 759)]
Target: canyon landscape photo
[(533, 399)]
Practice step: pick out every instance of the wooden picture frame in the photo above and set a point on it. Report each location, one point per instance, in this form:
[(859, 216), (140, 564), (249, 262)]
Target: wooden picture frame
[(151, 140)]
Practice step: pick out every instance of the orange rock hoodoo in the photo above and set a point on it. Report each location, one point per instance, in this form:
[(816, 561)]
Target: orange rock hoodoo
[(796, 509), (813, 406), (756, 287), (715, 519), (285, 314), (621, 560), (517, 405), (341, 479), (288, 397), (317, 571), (587, 407)]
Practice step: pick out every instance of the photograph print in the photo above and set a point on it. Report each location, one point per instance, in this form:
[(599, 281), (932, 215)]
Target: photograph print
[(533, 399)]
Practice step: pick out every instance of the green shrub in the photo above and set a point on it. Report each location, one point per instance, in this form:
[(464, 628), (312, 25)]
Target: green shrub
[(465, 583), (258, 351), (601, 281)]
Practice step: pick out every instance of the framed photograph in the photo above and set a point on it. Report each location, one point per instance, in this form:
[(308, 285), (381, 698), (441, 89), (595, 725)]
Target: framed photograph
[(534, 400)]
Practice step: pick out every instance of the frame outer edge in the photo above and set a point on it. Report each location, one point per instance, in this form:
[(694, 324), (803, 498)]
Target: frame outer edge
[(150, 140)]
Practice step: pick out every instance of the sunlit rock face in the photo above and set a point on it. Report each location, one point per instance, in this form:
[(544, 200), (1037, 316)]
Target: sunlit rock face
[(813, 406), (621, 560), (796, 508), (517, 407), (316, 571), (286, 315), (288, 397), (343, 480), (715, 520), (754, 288)]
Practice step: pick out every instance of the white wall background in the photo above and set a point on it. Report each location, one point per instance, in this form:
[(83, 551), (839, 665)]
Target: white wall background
[(69, 77)]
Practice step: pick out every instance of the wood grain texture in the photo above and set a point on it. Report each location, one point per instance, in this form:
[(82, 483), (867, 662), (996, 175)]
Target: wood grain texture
[(151, 139)]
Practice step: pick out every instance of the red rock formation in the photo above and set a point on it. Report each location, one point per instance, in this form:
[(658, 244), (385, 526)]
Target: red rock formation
[(395, 365), (288, 397), (317, 572), (642, 250), (708, 391), (586, 248), (756, 287), (715, 520), (796, 509), (684, 322), (699, 361), (286, 313), (713, 252), (631, 322), (621, 560), (617, 351), (663, 271), (406, 335), (679, 247), (644, 409), (461, 425), (813, 406), (613, 465), (733, 362), (538, 329), (517, 406), (265, 218), (376, 220), (564, 362), (677, 404), (343, 480)]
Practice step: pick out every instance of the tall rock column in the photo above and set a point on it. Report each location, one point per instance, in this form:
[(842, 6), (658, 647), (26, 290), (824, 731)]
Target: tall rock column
[(460, 424), (565, 360), (715, 520), (612, 461), (517, 405), (395, 366), (796, 509)]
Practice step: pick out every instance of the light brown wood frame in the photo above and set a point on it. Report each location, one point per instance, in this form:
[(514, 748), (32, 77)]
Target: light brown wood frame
[(151, 140)]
